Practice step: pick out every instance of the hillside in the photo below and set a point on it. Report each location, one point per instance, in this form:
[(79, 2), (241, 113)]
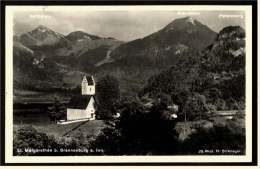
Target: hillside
[(218, 73), (223, 70), (28, 63), (33, 72)]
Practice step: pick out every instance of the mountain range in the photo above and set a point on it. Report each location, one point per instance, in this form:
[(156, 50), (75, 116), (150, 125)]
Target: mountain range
[(47, 61)]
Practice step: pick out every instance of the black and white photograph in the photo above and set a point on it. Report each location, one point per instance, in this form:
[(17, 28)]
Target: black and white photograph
[(126, 81)]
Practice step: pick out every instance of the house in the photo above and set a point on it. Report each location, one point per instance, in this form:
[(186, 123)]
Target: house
[(173, 107), (82, 107)]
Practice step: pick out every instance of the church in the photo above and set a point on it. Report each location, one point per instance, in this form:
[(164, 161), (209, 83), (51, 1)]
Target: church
[(82, 107)]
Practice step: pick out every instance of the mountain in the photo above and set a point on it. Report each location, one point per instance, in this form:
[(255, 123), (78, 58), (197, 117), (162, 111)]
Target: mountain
[(135, 61), (74, 50), (81, 45), (54, 44), (227, 52), (43, 36), (218, 73), (84, 53), (161, 48), (80, 36)]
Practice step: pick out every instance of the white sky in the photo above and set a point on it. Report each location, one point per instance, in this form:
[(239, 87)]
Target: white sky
[(122, 25)]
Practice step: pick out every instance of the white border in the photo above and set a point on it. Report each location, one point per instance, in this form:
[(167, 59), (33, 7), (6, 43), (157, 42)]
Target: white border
[(119, 159)]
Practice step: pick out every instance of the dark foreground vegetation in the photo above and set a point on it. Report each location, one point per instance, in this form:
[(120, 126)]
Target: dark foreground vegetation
[(139, 131)]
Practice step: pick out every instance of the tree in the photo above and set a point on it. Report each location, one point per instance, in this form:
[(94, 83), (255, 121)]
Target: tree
[(108, 93), (195, 107), (165, 98), (180, 98), (139, 131), (56, 111)]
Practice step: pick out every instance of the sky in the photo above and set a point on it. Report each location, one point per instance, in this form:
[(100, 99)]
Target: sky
[(122, 25)]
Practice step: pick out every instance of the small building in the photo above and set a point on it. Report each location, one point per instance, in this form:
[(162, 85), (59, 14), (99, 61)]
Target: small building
[(173, 107), (82, 107)]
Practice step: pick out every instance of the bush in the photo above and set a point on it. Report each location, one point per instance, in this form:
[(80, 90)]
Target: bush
[(214, 138), (29, 137)]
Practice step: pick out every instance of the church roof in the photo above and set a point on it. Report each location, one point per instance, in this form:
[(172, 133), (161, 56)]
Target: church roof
[(79, 102), (90, 80)]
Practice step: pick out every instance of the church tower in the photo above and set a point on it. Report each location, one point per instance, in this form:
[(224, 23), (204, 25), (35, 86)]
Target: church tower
[(88, 85), (84, 86)]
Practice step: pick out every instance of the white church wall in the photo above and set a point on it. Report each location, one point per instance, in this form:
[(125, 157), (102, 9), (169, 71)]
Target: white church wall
[(89, 112), (91, 107), (75, 114), (84, 88), (90, 90)]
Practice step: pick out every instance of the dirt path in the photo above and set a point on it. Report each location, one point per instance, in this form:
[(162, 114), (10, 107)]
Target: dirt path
[(74, 128)]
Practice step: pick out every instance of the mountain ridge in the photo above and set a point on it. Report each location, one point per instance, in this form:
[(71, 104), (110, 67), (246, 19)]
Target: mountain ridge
[(161, 45)]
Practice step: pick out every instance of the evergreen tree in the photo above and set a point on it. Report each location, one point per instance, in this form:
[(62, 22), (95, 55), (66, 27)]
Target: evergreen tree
[(56, 111), (108, 94)]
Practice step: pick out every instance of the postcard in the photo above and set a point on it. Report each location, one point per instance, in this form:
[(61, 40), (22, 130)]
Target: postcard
[(99, 84)]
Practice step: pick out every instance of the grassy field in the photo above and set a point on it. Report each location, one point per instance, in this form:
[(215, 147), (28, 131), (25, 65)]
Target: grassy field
[(88, 129)]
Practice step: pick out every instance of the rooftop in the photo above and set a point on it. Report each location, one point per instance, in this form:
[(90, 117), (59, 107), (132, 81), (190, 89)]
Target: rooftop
[(79, 102), (89, 79)]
